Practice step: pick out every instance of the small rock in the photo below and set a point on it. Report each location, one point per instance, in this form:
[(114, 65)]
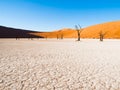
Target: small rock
[(1, 81)]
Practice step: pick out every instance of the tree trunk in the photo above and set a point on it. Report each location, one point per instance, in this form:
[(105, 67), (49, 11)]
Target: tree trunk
[(101, 38), (78, 35)]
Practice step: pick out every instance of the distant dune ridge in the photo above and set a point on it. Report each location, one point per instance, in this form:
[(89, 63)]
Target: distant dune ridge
[(112, 30)]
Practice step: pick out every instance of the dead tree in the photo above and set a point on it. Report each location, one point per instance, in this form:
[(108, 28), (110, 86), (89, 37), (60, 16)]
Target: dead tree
[(46, 37), (57, 37), (31, 38), (79, 30), (62, 36), (16, 38), (101, 35)]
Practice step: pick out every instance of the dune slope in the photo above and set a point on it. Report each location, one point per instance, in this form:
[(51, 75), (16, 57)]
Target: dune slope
[(112, 30)]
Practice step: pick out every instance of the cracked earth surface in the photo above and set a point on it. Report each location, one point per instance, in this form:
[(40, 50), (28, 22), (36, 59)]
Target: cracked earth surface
[(59, 65)]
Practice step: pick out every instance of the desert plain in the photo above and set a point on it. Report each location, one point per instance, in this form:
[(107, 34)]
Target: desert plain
[(59, 64)]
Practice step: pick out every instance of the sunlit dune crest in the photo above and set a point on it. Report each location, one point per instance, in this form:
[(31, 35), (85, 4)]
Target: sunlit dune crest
[(112, 30)]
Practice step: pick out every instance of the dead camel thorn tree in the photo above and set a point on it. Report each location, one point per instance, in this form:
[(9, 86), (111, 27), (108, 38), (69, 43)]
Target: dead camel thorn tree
[(46, 37), (79, 30), (62, 36), (101, 34), (57, 37)]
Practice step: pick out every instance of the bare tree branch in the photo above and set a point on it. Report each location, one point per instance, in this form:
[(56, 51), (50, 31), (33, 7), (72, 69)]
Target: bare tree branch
[(101, 34), (79, 30)]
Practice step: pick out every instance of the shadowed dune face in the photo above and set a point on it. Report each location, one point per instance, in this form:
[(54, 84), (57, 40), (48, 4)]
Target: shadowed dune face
[(112, 30), (6, 32)]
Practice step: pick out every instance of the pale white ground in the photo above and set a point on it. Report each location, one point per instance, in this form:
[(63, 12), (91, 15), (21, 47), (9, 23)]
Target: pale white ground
[(59, 65)]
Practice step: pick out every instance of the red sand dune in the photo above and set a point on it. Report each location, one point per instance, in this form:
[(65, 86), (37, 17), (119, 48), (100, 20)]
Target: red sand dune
[(112, 30)]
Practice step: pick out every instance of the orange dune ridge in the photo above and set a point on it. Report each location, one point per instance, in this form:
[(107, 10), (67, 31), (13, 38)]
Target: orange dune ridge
[(112, 30)]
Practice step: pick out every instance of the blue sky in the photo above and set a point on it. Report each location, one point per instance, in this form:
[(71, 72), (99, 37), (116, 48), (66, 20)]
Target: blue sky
[(49, 15)]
